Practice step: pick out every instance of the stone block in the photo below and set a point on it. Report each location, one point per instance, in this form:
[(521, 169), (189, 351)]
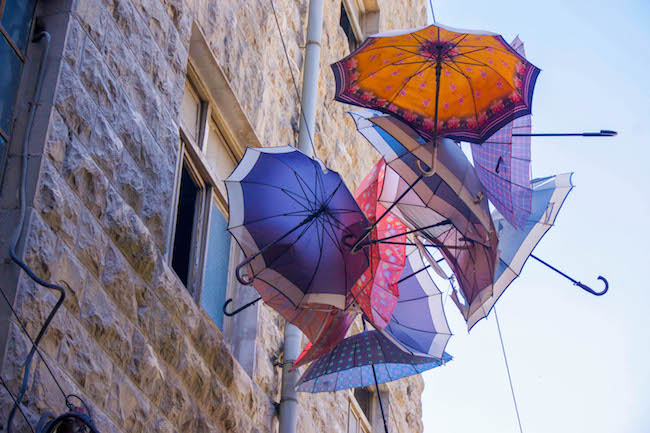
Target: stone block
[(86, 363), (175, 402), (101, 85), (93, 18), (120, 282), (193, 371), (107, 324), (57, 204), (159, 327), (74, 44), (85, 177), (129, 182), (74, 104), (157, 206), (91, 244), (57, 140), (175, 297), (129, 234), (145, 369), (106, 148), (69, 273), (127, 405), (40, 244)]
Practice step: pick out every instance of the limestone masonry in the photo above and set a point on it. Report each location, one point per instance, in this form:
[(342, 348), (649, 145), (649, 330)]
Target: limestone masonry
[(131, 340)]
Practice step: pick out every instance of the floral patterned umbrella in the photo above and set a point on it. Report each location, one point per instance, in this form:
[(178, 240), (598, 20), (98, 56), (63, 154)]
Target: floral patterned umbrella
[(361, 360), (443, 82)]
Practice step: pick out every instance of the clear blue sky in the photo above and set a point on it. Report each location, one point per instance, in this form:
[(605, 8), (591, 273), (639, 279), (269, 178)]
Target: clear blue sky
[(579, 363)]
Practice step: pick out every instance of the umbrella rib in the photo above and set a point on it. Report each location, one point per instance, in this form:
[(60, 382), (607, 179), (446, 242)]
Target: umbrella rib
[(471, 88), (392, 100), (286, 191), (296, 213), (319, 235), (495, 71), (384, 67)]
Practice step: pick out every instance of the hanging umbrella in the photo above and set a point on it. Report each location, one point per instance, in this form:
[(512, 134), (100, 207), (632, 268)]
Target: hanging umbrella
[(503, 165), (443, 82), (449, 209), (454, 193), (418, 324), (376, 292), (516, 245), (289, 218), (361, 360)]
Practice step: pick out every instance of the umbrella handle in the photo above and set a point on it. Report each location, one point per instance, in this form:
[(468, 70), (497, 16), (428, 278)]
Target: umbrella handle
[(238, 310), (424, 171), (575, 282), (244, 279), (593, 292)]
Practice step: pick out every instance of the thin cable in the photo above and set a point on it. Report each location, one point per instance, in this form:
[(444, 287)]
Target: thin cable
[(22, 326), (505, 358), (293, 78), (433, 16), (16, 403)]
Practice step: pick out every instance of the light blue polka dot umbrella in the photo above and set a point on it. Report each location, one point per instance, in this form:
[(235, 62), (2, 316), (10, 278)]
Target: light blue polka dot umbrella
[(350, 364)]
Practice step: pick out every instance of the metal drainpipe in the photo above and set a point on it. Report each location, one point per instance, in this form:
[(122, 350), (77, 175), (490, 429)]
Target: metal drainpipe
[(292, 335)]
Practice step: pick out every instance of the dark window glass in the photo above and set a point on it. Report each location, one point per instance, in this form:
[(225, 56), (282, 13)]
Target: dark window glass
[(10, 68), (363, 398), (215, 279), (17, 20), (187, 197), (3, 144), (347, 28)]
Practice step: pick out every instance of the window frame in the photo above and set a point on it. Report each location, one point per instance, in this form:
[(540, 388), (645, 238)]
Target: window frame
[(354, 409), (6, 135)]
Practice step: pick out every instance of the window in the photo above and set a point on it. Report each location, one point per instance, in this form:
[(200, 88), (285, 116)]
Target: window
[(15, 26), (357, 420), (359, 18), (347, 28), (201, 248), (364, 415)]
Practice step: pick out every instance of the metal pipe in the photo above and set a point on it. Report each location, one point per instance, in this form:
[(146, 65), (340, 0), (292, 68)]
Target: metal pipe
[(310, 78), (292, 335)]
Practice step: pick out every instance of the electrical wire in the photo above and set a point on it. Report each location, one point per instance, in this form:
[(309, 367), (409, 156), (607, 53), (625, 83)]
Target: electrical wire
[(293, 78), (505, 358), (14, 399)]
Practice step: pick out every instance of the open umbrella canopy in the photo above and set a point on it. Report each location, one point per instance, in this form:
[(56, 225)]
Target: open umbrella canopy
[(453, 194), (503, 164), (350, 364), (471, 83), (290, 217), (449, 209), (516, 245), (418, 324), (376, 292)]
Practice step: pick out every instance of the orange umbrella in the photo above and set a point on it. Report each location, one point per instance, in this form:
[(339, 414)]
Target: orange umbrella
[(470, 84)]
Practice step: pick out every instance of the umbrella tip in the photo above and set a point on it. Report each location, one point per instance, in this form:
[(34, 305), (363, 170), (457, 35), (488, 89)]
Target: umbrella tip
[(608, 133)]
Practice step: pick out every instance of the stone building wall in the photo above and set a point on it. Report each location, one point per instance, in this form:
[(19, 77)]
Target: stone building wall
[(130, 339)]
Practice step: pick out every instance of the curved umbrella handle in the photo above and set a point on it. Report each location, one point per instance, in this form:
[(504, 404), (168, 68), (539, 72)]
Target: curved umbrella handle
[(424, 171), (593, 292), (244, 279), (238, 310)]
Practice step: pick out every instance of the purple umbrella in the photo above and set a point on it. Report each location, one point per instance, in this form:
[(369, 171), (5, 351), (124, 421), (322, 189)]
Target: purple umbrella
[(418, 324), (503, 164), (351, 363), (289, 215)]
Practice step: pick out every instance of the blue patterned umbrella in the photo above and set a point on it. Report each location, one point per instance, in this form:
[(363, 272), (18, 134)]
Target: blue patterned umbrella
[(351, 363), (290, 216)]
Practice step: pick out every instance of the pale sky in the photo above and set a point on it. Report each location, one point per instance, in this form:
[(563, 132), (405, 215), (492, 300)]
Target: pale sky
[(579, 363)]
